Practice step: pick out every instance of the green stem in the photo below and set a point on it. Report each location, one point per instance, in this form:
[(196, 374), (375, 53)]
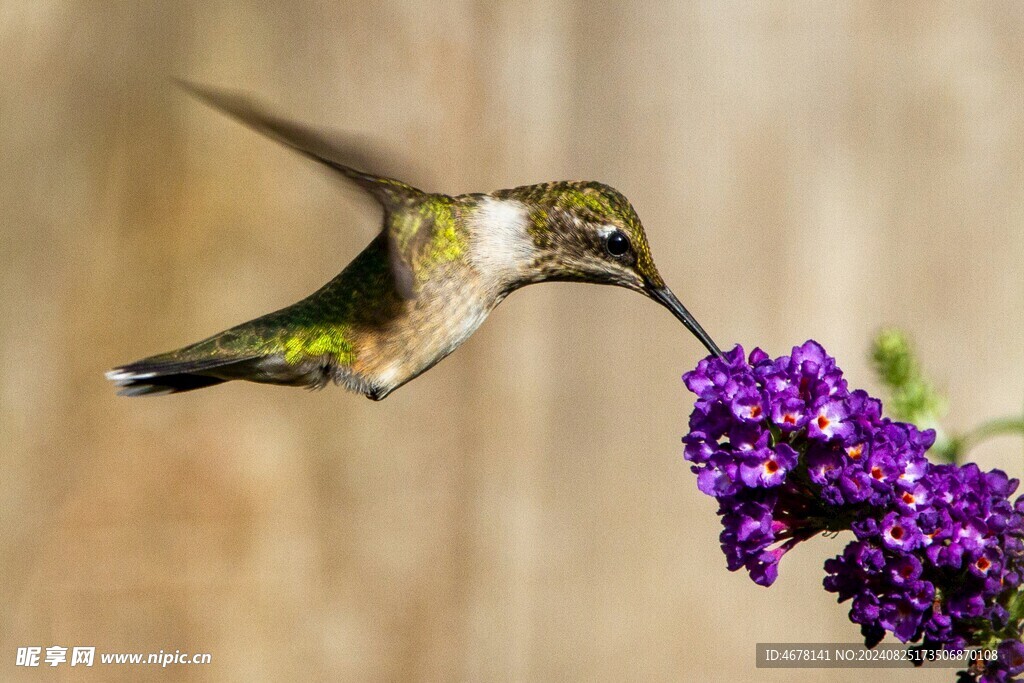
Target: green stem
[(987, 430)]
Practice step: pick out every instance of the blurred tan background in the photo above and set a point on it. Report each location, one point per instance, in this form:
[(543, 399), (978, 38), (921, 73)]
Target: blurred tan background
[(521, 512)]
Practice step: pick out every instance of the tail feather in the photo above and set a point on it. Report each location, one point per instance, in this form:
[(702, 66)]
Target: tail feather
[(155, 378)]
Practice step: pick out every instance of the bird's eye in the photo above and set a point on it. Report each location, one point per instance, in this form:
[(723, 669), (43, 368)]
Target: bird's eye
[(617, 243)]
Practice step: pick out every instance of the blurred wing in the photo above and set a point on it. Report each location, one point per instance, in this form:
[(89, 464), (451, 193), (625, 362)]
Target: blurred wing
[(395, 196)]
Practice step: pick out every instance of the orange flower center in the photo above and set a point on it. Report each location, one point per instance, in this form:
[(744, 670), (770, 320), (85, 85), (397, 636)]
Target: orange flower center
[(823, 422)]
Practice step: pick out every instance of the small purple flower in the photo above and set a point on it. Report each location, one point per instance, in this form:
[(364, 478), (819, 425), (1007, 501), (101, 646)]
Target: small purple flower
[(789, 412), (828, 420), (855, 485), (699, 448), (865, 609), (764, 568), (904, 569), (747, 405), (719, 477), (987, 563), (912, 471), (901, 617), (767, 467), (882, 467), (900, 533), (824, 464), (1011, 657), (908, 502)]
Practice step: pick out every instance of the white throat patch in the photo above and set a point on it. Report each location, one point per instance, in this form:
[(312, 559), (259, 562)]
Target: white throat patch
[(500, 243)]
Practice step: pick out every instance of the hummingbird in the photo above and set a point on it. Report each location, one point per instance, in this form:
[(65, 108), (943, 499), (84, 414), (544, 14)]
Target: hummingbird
[(426, 282)]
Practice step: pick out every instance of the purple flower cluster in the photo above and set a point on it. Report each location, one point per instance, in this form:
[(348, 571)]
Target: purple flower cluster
[(790, 452)]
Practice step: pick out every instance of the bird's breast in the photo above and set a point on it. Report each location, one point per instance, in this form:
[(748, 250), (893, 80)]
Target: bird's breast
[(431, 327)]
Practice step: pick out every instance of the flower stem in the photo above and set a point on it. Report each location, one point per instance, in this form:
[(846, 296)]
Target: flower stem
[(959, 446)]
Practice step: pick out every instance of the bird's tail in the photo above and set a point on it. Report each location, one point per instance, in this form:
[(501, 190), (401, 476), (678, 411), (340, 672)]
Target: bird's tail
[(199, 365), (151, 377)]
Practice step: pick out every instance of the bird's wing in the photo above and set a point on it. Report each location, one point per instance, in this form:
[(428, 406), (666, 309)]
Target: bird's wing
[(395, 196)]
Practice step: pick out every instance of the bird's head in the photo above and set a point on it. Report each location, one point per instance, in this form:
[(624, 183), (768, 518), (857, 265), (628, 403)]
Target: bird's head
[(576, 232)]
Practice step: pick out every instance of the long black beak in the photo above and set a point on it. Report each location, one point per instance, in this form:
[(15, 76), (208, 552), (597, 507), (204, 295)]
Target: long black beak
[(666, 298)]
